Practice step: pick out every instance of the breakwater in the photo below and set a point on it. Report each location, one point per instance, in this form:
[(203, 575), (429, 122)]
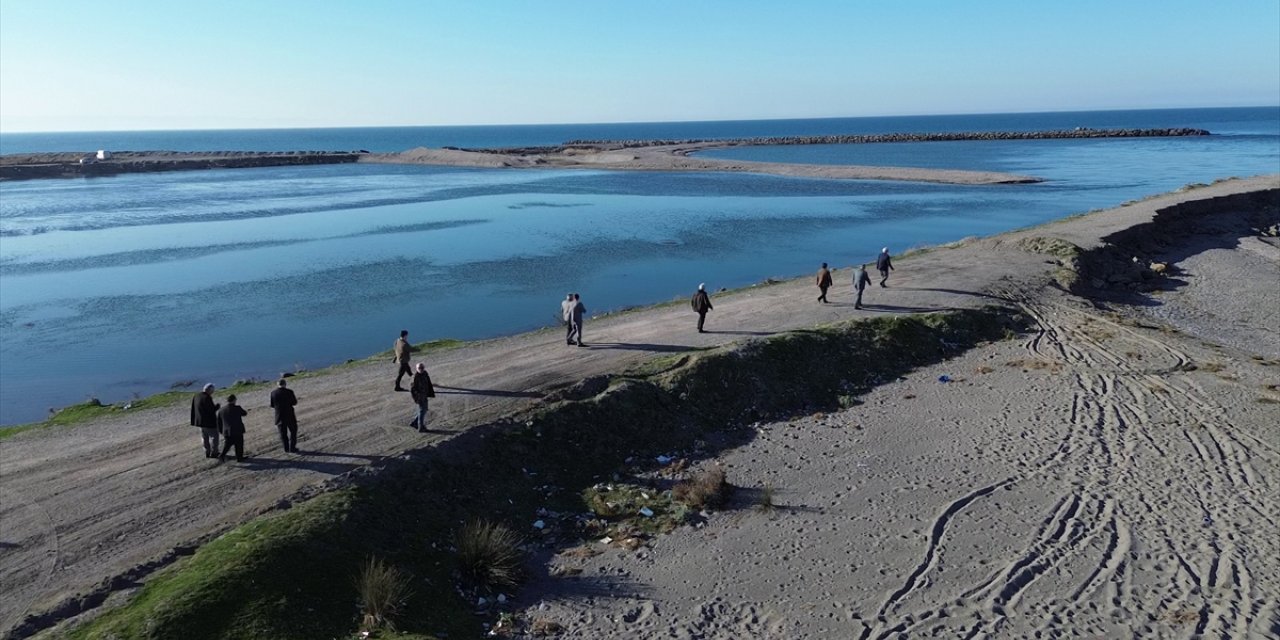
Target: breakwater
[(78, 165), (1079, 132)]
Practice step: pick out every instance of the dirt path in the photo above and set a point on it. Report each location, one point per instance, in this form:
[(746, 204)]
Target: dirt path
[(85, 504)]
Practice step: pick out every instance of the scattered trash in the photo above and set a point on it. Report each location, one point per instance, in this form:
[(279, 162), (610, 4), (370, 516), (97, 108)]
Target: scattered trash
[(646, 512), (502, 599), (665, 459), (481, 602), (606, 540), (944, 379), (538, 524)]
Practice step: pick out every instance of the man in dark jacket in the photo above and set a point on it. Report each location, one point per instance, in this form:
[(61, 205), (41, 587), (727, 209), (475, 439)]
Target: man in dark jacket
[(283, 401), (231, 424), (402, 351), (204, 414), (884, 264), (824, 282), (576, 314), (860, 282), (422, 391), (701, 305)]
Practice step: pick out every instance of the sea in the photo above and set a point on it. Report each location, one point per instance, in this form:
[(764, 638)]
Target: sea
[(119, 287)]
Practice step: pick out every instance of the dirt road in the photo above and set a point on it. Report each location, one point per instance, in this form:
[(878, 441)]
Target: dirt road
[(82, 505)]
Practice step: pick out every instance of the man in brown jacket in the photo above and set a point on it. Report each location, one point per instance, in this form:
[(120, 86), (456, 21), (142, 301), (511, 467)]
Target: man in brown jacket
[(824, 282), (402, 350)]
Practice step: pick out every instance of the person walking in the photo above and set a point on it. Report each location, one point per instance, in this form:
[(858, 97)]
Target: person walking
[(566, 316), (824, 282), (701, 305), (860, 282), (421, 390), (231, 424), (204, 414), (884, 264), (576, 314), (283, 400), (402, 351)]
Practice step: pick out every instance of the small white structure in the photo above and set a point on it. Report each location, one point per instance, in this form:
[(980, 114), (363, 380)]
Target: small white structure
[(103, 154)]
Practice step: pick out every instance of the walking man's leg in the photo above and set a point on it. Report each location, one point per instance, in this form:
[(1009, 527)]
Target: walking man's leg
[(857, 304), (422, 416), (702, 317), (884, 277), (404, 368), (293, 438), (210, 437), (284, 436)]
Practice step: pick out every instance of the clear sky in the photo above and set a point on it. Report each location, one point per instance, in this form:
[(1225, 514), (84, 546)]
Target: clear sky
[(141, 64)]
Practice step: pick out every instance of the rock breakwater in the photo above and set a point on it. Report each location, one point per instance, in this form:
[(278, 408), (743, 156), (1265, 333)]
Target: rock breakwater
[(1079, 132)]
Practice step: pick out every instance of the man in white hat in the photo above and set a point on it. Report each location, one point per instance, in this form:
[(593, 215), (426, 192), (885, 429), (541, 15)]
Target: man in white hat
[(701, 305), (884, 264), (204, 414)]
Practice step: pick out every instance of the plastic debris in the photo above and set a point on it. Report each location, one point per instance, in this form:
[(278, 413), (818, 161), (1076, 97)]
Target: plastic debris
[(646, 512), (665, 459), (606, 540), (538, 524), (944, 378)]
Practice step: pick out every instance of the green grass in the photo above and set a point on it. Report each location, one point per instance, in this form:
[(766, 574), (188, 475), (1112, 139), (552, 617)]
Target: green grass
[(87, 411), (291, 576)]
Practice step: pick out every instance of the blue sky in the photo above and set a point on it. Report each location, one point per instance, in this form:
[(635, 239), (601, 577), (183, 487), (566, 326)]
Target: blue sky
[(94, 65)]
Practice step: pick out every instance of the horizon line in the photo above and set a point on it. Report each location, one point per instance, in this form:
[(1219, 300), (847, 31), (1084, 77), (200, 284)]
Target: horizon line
[(625, 122)]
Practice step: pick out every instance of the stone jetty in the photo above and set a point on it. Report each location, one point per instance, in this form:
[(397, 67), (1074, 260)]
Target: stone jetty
[(1079, 132)]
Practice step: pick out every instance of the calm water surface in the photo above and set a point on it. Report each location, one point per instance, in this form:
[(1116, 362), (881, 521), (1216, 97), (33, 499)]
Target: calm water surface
[(124, 285)]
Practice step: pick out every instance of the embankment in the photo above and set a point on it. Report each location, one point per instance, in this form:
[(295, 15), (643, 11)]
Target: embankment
[(1143, 257), (291, 575)]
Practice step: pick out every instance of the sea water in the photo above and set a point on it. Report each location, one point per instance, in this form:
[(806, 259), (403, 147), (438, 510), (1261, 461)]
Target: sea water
[(125, 285)]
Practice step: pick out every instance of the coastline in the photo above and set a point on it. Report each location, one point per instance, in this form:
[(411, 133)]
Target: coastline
[(350, 409), (622, 155)]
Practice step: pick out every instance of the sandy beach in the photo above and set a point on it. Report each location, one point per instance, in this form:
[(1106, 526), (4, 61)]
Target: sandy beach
[(1113, 473)]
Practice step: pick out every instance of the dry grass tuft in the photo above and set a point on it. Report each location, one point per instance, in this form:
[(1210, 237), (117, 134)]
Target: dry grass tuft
[(707, 488), (383, 591), (766, 503), (543, 627), (489, 555)]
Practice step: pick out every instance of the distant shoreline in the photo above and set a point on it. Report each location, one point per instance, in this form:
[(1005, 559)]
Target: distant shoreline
[(621, 155)]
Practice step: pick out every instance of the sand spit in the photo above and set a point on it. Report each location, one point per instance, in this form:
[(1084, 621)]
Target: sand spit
[(1099, 476)]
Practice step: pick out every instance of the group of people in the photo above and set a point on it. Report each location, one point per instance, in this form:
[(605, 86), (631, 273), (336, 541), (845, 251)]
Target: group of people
[(861, 280), (226, 421), (572, 312), (420, 387)]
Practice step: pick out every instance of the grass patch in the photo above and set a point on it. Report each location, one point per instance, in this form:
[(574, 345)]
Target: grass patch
[(628, 511), (383, 591), (707, 489), (1050, 247), (489, 555), (766, 501), (93, 409)]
